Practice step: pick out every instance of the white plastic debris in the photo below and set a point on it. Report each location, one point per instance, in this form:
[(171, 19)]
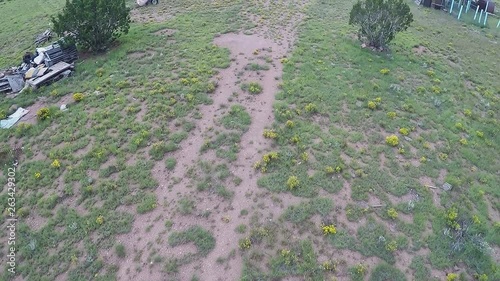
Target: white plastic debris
[(39, 59)]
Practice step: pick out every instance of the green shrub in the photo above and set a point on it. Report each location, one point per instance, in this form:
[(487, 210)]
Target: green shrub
[(380, 20), (110, 19)]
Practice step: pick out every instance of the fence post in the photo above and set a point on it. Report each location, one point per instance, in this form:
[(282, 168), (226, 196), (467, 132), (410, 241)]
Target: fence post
[(475, 15), (460, 13), (468, 7), (498, 24), (486, 12)]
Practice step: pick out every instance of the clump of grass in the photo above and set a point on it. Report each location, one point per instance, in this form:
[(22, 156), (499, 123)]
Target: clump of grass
[(123, 84), (147, 203), (358, 272), (295, 139), (372, 105), (78, 97), (443, 156), (186, 206), (385, 71), (55, 164), (436, 89), (311, 108), (304, 156), (253, 88), (170, 163), (266, 161), (43, 113), (305, 210), (99, 72), (292, 182), (392, 140), (202, 239), (392, 246), (242, 228), (99, 220), (237, 119), (421, 89), (404, 131), (256, 67), (328, 229), (329, 170), (481, 277), (451, 277), (245, 243), (158, 150), (384, 271), (329, 266), (120, 250), (270, 134), (23, 212), (451, 218), (392, 213), (22, 129)]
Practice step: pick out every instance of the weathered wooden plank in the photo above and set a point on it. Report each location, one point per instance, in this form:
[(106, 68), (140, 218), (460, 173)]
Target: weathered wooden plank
[(52, 72)]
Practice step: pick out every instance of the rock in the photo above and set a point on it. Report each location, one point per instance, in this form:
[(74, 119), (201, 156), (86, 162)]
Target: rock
[(359, 103), (407, 138), (447, 187), (395, 87), (63, 107), (363, 45)]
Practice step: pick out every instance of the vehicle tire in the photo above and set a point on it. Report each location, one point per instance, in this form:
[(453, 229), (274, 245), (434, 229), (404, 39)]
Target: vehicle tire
[(154, 2)]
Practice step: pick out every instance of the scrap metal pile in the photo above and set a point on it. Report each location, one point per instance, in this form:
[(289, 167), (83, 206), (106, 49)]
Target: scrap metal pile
[(46, 65)]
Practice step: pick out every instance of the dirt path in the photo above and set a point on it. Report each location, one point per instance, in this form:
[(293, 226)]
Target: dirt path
[(149, 236), (242, 49)]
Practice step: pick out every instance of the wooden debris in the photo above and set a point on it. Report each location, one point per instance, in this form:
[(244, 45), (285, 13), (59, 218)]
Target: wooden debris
[(51, 74)]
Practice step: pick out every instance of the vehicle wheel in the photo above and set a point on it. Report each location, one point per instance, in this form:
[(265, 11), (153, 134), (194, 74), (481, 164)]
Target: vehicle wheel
[(154, 2)]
